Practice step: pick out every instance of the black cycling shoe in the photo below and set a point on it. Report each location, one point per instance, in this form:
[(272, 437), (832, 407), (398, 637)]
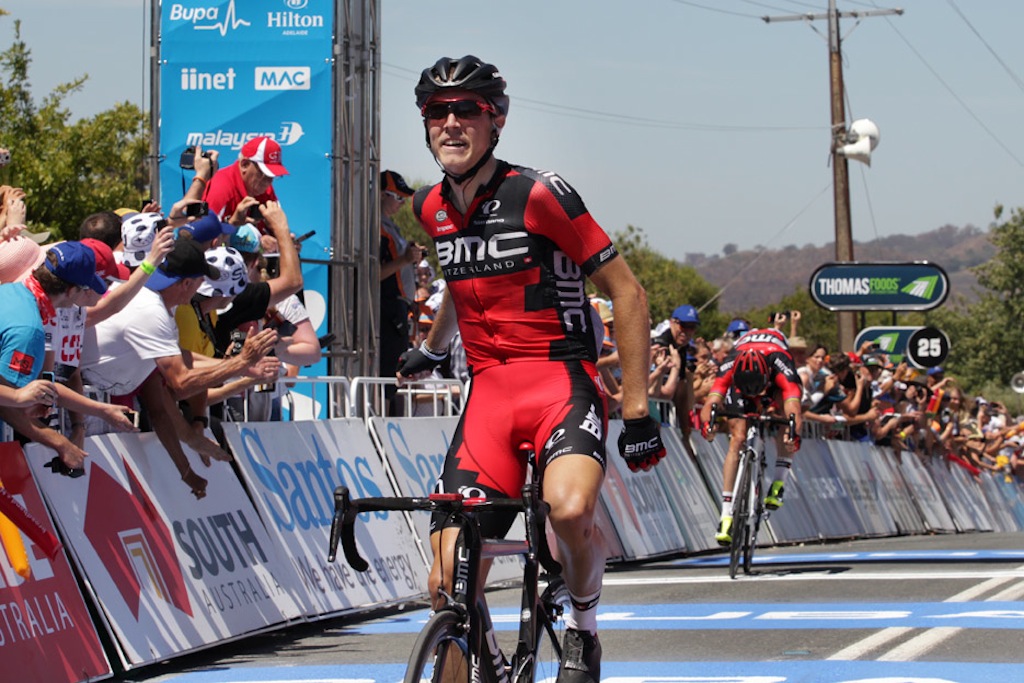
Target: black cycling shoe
[(581, 658)]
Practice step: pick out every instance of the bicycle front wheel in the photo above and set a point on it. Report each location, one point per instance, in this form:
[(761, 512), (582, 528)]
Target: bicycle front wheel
[(441, 652), (740, 515)]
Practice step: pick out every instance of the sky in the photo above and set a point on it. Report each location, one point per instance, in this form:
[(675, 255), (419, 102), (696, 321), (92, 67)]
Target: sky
[(697, 122)]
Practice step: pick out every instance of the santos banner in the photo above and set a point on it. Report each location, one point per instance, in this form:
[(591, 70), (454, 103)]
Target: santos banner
[(170, 573), (232, 71), (46, 633), (292, 469)]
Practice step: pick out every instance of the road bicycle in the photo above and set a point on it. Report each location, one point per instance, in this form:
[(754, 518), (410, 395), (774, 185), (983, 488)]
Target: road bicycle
[(458, 643), (748, 494)]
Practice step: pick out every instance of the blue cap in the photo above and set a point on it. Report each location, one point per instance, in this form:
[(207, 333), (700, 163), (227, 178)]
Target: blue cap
[(246, 240), (936, 370), (686, 314), (738, 325), (76, 263), (186, 260), (207, 228)]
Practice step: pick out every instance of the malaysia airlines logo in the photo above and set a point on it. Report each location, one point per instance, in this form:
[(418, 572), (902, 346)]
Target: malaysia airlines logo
[(209, 18), (288, 134)]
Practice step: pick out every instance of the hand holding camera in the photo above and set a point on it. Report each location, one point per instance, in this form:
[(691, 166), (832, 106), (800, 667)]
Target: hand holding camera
[(187, 160)]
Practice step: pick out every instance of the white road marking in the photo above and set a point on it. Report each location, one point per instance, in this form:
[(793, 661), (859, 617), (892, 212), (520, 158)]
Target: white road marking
[(929, 639), (891, 576)]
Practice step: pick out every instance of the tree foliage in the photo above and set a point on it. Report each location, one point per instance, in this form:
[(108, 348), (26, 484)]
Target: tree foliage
[(668, 283), (68, 170), (985, 336)]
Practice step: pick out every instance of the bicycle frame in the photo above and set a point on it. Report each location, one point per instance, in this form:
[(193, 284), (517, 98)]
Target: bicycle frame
[(748, 491), (471, 549)]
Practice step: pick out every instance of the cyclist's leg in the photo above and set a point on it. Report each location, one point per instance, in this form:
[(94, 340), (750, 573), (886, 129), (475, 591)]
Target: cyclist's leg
[(783, 465), (737, 436), (572, 426), (481, 463)]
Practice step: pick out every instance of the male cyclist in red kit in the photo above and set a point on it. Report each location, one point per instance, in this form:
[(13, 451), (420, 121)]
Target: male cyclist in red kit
[(759, 370), (515, 246)]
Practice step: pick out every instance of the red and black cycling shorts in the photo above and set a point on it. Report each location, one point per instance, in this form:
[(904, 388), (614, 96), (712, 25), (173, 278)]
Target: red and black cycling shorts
[(558, 405)]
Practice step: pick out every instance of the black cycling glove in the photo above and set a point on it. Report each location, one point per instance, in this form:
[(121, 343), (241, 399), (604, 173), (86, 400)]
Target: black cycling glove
[(415, 361), (640, 443)]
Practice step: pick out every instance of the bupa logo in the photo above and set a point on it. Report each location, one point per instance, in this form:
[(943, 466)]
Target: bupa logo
[(208, 18), (490, 207), (282, 78)]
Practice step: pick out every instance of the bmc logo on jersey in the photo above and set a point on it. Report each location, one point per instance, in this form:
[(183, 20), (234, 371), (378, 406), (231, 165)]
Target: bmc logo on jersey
[(282, 78), (474, 250)]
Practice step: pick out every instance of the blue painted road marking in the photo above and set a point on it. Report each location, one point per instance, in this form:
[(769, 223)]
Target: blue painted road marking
[(697, 616), (654, 672)]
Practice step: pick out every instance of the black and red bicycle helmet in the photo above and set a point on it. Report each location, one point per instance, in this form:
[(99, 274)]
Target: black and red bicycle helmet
[(467, 73), (750, 373)]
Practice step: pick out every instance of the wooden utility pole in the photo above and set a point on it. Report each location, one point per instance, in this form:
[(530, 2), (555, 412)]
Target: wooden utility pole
[(847, 320)]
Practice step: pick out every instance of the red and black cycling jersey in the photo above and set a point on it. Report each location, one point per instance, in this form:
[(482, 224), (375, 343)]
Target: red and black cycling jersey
[(773, 345), (515, 266)]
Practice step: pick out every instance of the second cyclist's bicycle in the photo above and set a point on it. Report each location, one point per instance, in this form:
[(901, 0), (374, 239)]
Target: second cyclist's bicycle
[(748, 494), (458, 643)]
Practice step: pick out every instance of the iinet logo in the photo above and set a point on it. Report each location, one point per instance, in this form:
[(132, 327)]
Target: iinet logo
[(193, 79), (282, 78)]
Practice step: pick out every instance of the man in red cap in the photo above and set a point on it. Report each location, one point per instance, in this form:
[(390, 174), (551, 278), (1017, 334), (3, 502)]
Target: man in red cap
[(248, 182)]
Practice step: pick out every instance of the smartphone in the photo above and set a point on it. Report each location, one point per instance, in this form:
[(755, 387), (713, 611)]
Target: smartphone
[(302, 238), (197, 209), (146, 202), (254, 212), (46, 376), (133, 415)]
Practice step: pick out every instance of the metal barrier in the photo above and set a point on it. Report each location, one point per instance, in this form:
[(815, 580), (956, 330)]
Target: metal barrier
[(424, 398), (337, 391)]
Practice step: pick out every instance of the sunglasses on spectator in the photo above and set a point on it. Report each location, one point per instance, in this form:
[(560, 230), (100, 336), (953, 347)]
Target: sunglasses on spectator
[(394, 195), (463, 109), (685, 326)]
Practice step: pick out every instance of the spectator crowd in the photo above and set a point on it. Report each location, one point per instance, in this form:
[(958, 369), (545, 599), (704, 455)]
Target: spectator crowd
[(863, 396), (173, 322), (168, 322)]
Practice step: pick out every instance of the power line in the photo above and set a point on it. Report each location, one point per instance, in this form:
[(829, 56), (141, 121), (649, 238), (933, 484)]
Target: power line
[(637, 121), (1006, 67), (956, 97), (761, 253), (717, 9)]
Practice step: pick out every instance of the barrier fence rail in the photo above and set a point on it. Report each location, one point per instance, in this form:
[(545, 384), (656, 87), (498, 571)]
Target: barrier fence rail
[(167, 575)]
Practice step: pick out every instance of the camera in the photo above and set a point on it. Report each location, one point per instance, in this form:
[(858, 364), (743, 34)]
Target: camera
[(57, 466), (188, 158), (197, 210), (254, 213), (237, 341)]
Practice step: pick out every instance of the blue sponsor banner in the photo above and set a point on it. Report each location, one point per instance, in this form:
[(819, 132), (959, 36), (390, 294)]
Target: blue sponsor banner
[(879, 286), (232, 71)]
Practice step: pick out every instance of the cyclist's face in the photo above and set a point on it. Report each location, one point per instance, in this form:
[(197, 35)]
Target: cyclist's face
[(461, 135)]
